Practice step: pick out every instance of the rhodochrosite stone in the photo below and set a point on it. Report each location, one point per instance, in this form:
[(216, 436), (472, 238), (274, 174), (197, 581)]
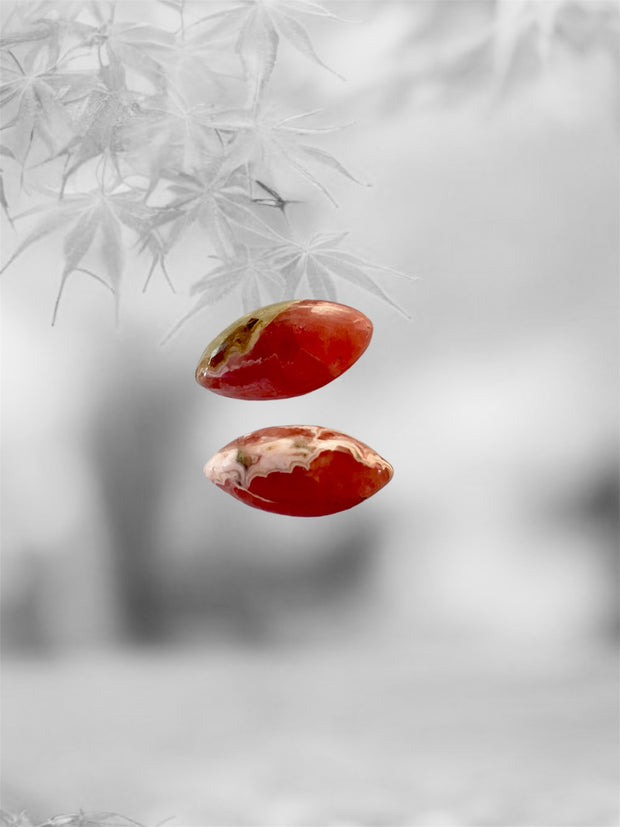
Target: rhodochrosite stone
[(300, 470), (285, 349)]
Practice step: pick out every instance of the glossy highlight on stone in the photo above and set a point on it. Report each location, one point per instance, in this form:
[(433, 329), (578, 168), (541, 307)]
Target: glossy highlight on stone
[(284, 350), (299, 470)]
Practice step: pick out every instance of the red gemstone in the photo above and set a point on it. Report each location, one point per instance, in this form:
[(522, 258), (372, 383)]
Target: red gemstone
[(300, 470), (285, 349)]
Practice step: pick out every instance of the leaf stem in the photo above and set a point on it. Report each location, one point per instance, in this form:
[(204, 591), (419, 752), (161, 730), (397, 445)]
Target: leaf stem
[(63, 280), (19, 66), (96, 277), (182, 18)]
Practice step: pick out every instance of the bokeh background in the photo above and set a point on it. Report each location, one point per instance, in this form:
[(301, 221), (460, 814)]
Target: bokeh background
[(444, 654)]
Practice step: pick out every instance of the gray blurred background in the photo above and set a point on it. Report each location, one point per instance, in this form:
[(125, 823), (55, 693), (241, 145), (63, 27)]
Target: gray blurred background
[(444, 654)]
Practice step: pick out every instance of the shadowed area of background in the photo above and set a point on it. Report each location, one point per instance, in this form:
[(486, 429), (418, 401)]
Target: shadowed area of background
[(445, 654)]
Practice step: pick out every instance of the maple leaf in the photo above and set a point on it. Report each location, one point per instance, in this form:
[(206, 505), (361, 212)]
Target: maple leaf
[(78, 241), (85, 214), (258, 27), (256, 277), (284, 271), (83, 819), (178, 136), (35, 32), (139, 46), (216, 166), (32, 89), (216, 200), (42, 26), (321, 261), (253, 276), (107, 110), (3, 199), (86, 218), (102, 212), (130, 208), (201, 64), (39, 9), (158, 249), (56, 216), (260, 140)]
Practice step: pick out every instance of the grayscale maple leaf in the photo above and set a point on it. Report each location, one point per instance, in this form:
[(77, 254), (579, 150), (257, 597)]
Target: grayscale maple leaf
[(84, 819), (253, 276), (197, 62), (87, 217), (55, 216), (128, 204), (41, 9), (34, 32), (139, 46), (78, 241), (262, 141), (106, 111), (215, 199), (216, 168), (157, 247), (3, 199), (311, 8), (130, 208), (320, 262), (44, 26), (257, 45), (127, 207), (178, 135), (37, 109), (258, 28), (296, 34)]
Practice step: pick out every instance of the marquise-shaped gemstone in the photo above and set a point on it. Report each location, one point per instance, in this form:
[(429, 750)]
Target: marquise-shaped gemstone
[(299, 470), (284, 350)]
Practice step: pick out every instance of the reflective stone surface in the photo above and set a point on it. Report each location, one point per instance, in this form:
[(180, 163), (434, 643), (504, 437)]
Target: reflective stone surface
[(284, 350), (299, 470)]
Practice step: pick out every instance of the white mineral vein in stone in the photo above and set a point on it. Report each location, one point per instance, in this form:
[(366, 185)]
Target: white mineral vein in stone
[(267, 455)]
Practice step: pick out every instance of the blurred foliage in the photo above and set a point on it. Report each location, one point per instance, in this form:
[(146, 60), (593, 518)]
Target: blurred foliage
[(80, 819), (446, 52)]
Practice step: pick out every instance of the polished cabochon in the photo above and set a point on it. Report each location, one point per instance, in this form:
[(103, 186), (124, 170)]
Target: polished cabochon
[(299, 470), (284, 350)]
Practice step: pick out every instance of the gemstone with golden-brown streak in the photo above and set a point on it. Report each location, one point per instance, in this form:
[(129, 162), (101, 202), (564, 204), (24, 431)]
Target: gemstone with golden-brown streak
[(299, 470), (284, 350)]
